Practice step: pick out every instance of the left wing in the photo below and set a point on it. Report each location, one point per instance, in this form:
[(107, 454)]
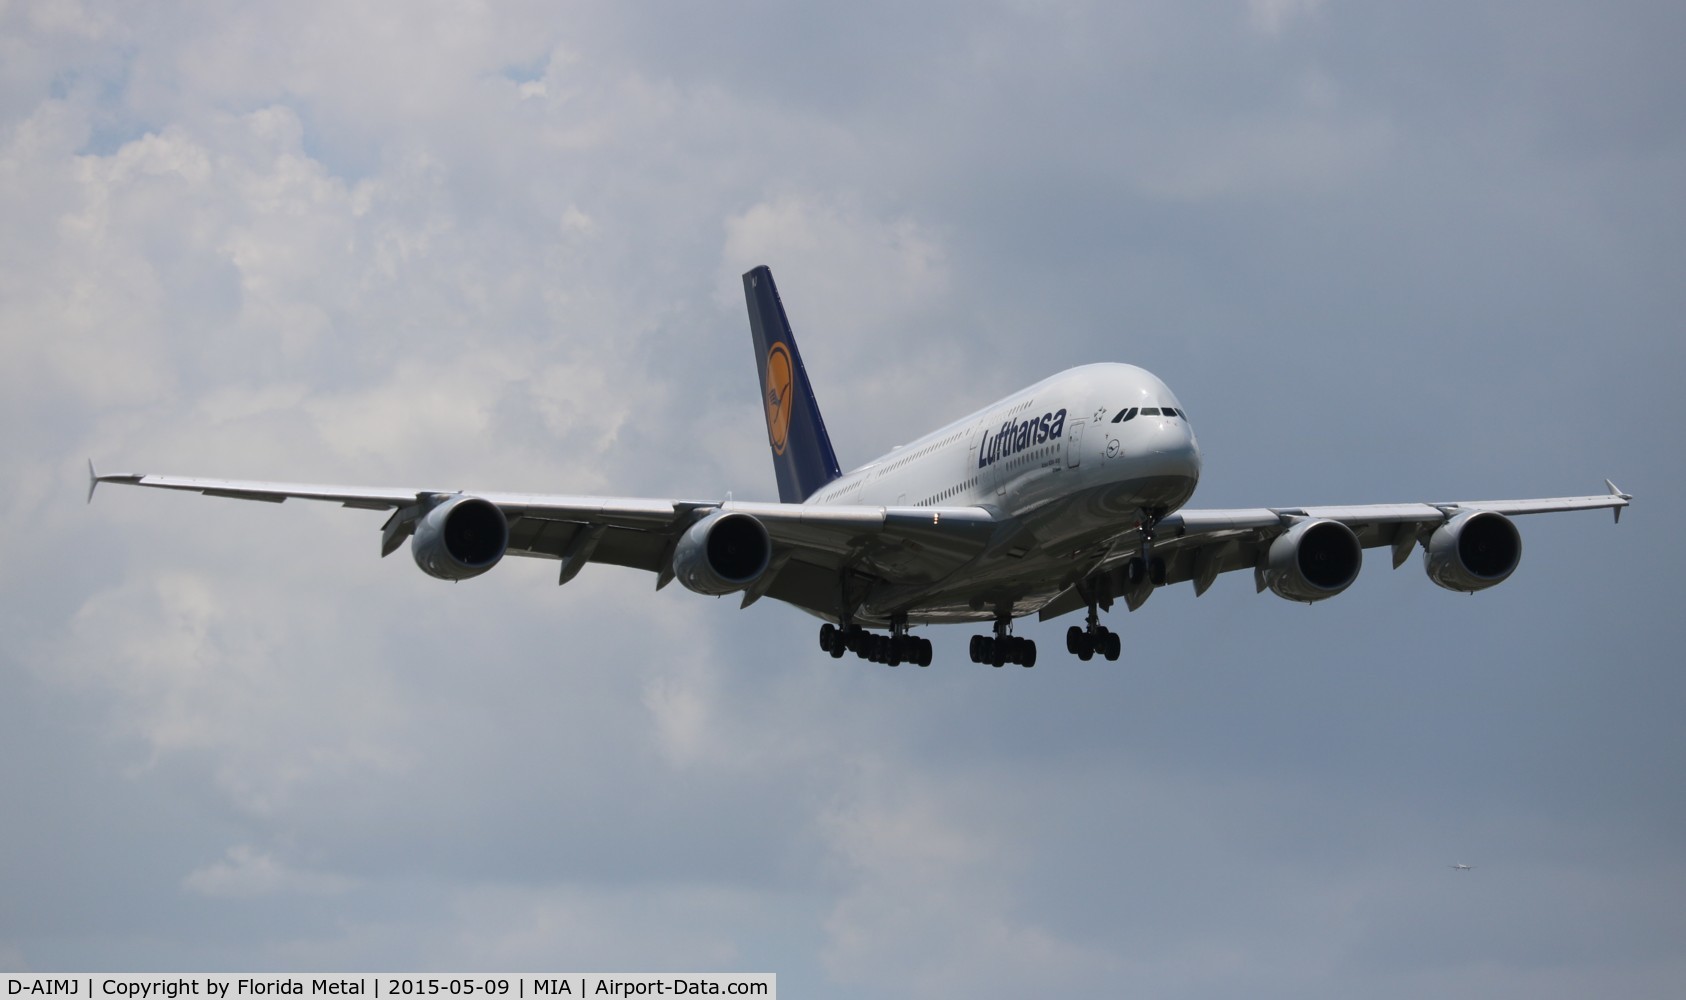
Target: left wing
[(811, 546), (1198, 545)]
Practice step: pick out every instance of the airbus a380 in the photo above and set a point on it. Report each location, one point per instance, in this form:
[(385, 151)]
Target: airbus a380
[(1065, 496)]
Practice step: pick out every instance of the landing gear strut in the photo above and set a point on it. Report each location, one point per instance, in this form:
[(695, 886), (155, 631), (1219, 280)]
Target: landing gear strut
[(1003, 646), (1146, 567)]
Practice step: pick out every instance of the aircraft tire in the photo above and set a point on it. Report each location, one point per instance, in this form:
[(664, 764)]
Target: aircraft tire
[(1073, 638), (1112, 646)]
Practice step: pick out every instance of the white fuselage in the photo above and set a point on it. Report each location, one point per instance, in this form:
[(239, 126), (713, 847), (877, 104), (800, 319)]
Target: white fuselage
[(1070, 462)]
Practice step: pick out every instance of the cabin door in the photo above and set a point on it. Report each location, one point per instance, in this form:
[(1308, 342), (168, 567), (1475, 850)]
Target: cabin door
[(1074, 445)]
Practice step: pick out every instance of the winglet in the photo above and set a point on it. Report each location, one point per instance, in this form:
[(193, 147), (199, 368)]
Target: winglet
[(94, 479), (1618, 493)]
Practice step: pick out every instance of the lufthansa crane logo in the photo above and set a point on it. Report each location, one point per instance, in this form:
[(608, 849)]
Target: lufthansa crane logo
[(780, 381)]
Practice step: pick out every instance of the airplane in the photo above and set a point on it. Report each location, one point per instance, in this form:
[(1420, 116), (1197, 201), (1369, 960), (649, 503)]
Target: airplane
[(1065, 496), (1462, 868)]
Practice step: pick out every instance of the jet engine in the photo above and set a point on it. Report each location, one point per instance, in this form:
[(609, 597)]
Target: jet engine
[(1473, 551), (461, 537), (1312, 561), (722, 553)]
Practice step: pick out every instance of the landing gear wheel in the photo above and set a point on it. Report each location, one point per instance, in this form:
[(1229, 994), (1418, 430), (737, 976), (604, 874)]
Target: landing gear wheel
[(1073, 639), (1111, 646), (828, 636)]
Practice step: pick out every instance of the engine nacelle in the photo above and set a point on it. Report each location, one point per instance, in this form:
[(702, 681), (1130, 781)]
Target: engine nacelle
[(462, 537), (1313, 560), (722, 553), (1473, 551)]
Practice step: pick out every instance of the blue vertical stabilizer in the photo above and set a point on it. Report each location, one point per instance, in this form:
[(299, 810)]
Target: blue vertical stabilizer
[(802, 454)]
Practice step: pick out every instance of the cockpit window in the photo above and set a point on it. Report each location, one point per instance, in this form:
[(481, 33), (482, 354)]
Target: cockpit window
[(1171, 412), (1124, 415), (1150, 411)]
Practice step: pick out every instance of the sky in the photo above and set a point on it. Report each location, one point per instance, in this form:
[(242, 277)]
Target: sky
[(1382, 252)]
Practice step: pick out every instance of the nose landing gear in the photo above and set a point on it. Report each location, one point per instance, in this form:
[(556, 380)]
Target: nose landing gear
[(1147, 567)]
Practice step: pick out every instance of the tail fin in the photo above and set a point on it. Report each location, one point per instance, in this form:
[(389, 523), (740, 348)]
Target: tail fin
[(802, 454)]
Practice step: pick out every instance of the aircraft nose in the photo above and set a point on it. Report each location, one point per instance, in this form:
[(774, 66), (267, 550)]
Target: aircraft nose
[(1175, 445), (1174, 453)]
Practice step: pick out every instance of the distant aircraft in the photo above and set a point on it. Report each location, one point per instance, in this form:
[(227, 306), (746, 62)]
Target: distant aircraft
[(1064, 496), (1462, 868)]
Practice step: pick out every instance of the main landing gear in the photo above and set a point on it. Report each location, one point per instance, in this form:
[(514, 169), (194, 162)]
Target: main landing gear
[(1094, 637), (1097, 638), (1003, 648), (893, 649)]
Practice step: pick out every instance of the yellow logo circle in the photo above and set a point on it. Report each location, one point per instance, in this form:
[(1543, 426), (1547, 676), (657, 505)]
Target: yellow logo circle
[(780, 383)]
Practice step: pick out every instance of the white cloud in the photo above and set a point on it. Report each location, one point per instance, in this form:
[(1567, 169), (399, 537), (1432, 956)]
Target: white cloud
[(246, 872), (190, 671)]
